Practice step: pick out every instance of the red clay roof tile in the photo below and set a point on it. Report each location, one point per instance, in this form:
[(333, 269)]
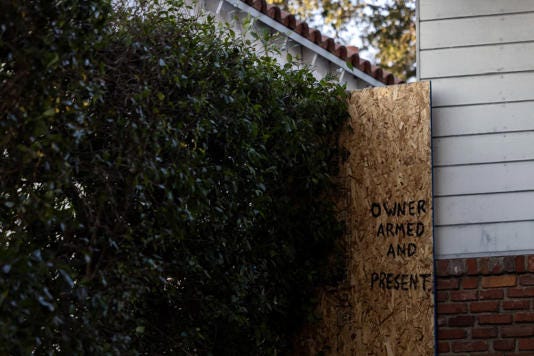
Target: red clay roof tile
[(314, 35), (341, 52), (328, 43), (365, 66), (346, 53), (260, 5), (302, 28), (273, 12), (289, 20)]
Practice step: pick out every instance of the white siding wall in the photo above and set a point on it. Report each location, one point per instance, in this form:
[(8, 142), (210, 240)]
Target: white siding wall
[(479, 55)]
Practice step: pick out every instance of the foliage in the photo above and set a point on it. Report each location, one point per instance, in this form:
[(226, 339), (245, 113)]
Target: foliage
[(391, 30), (387, 28), (47, 66), (163, 187)]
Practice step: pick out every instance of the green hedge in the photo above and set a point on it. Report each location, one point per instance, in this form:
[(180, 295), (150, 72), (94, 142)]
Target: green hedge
[(164, 188)]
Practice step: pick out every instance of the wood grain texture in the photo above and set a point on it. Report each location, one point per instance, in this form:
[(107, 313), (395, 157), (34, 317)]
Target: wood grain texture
[(390, 162), (387, 305)]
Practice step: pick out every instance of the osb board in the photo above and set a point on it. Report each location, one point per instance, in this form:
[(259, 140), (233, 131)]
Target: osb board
[(386, 305)]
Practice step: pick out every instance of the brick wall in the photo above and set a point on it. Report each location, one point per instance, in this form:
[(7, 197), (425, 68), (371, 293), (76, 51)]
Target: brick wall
[(485, 306)]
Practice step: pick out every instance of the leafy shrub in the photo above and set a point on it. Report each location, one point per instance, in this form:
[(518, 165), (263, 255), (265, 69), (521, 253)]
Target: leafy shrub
[(164, 188)]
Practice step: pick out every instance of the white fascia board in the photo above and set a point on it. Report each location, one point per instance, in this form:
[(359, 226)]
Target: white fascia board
[(305, 42)]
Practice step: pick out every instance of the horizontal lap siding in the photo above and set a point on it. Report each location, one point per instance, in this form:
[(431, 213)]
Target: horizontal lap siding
[(493, 88), (479, 55), (476, 60), (432, 9), (484, 148), (476, 31), (484, 178), (483, 119), (487, 208), (496, 239)]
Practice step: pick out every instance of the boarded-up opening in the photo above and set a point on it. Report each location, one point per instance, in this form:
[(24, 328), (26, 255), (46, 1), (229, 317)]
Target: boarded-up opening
[(386, 305)]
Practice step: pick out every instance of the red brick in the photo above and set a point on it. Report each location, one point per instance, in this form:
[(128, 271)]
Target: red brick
[(520, 264), (456, 267), (442, 296), (442, 267), (468, 346), (470, 283), (503, 345), (452, 308), (491, 294), (472, 266), (495, 319), (496, 265), (483, 265), (447, 334), (487, 354), (479, 307), (464, 295), (516, 304), (530, 263), (442, 320), (443, 347), (527, 280), (484, 333), (506, 280), (444, 284), (526, 344), (462, 320), (515, 331), (521, 292), (509, 264), (524, 317)]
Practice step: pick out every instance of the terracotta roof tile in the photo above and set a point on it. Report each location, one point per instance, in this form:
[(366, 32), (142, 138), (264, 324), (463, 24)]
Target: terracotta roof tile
[(346, 53), (354, 59), (288, 20), (314, 35), (377, 72), (365, 66), (302, 28), (273, 12), (328, 43), (260, 5), (341, 52)]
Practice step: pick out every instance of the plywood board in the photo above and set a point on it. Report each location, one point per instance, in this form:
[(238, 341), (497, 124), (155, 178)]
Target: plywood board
[(474, 31), (439, 9), (388, 172), (385, 306)]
